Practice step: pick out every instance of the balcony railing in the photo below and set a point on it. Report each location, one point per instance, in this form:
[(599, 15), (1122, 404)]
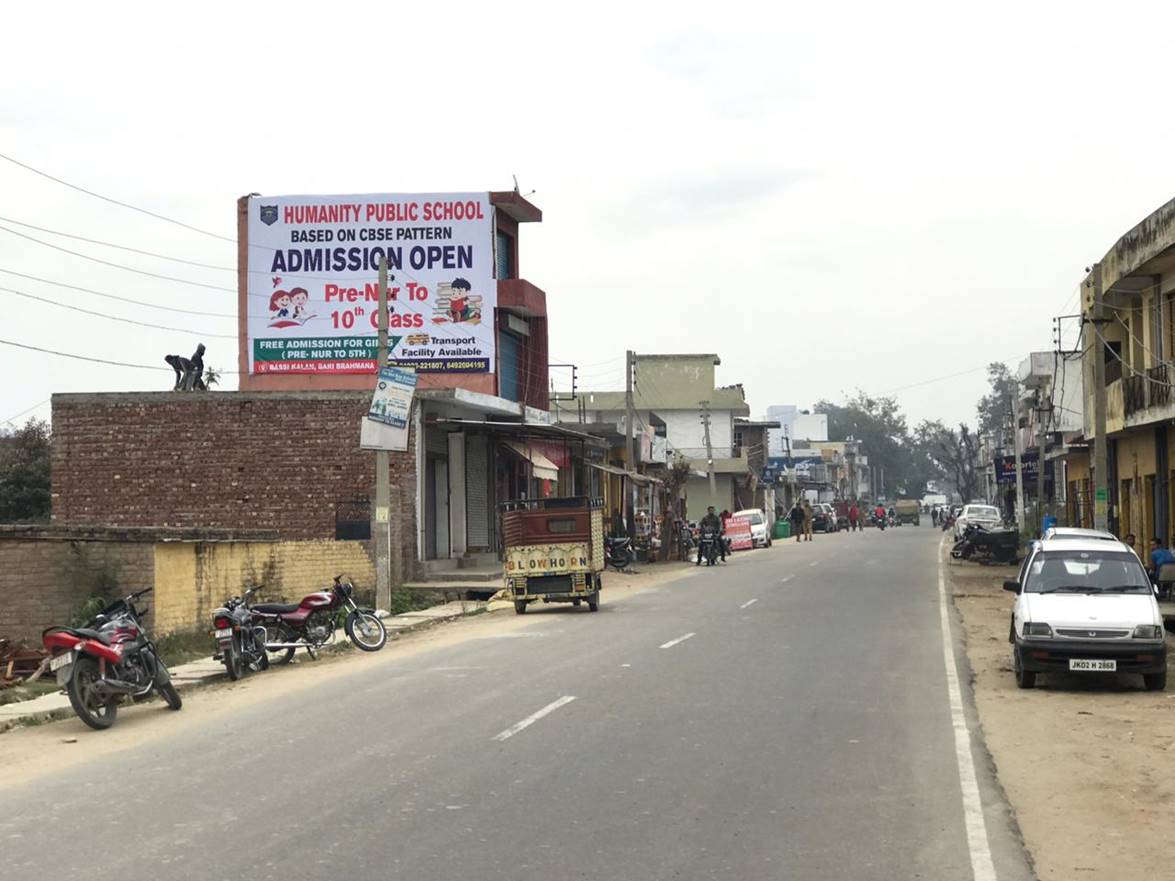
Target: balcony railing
[(1134, 393), (1160, 385)]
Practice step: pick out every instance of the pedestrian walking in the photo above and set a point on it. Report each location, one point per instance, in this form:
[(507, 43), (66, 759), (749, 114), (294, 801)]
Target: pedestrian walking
[(854, 513), (807, 520), (796, 516)]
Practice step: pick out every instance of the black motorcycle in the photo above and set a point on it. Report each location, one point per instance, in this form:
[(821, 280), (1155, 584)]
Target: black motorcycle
[(618, 552), (240, 638), (708, 547), (685, 540), (1001, 545)]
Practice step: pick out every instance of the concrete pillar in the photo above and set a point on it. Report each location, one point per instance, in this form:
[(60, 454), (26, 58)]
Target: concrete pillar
[(458, 539)]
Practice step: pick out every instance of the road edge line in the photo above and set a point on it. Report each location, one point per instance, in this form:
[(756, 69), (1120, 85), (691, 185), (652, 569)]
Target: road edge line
[(978, 845)]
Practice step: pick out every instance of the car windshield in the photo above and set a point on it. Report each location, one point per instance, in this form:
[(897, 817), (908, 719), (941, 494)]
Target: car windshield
[(983, 512), (1086, 572)]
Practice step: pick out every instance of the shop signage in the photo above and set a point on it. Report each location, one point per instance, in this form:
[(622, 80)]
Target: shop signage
[(393, 396), (738, 530), (313, 267), (1005, 468)]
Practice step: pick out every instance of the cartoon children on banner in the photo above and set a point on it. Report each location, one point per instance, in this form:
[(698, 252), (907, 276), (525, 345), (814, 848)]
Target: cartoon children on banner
[(456, 303), (289, 308)]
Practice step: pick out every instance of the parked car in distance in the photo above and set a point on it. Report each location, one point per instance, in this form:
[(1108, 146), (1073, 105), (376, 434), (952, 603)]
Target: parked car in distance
[(1086, 607), (760, 533), (824, 518), (987, 516)]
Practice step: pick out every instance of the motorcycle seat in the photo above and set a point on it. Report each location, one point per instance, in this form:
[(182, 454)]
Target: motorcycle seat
[(274, 608), (87, 633)]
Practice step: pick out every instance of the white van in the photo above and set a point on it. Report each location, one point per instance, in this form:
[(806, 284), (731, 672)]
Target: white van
[(1086, 606)]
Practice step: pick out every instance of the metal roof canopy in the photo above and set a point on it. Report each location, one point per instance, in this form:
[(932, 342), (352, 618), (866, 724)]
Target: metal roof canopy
[(528, 430)]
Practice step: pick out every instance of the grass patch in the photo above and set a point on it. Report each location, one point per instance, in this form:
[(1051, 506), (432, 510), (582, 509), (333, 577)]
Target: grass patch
[(179, 648), (404, 600), (47, 684)]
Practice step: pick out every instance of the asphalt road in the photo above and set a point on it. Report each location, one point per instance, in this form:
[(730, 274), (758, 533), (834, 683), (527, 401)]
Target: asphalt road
[(785, 716)]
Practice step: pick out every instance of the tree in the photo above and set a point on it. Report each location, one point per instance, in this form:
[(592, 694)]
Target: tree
[(24, 473), (953, 453), (995, 408), (881, 428)]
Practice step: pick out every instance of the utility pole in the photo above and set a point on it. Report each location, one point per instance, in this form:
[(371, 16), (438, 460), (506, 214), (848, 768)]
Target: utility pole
[(1100, 463), (1043, 411), (705, 408), (1016, 450), (630, 428), (383, 489)]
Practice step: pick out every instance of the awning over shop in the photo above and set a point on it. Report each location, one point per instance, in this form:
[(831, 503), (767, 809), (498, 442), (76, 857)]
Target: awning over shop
[(638, 479), (542, 467)]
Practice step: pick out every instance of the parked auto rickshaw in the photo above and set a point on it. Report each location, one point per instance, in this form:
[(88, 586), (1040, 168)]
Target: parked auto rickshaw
[(554, 551)]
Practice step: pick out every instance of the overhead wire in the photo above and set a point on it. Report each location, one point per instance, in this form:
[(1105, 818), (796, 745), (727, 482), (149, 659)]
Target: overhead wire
[(145, 303), (92, 359), (109, 317), (57, 232), (12, 419), (122, 266), (113, 201)]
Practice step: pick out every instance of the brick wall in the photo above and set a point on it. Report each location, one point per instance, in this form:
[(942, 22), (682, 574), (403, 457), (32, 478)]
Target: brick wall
[(44, 578), (278, 461)]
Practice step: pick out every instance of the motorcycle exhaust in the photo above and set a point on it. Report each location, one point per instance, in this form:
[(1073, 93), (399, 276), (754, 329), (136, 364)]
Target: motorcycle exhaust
[(277, 646), (111, 687)]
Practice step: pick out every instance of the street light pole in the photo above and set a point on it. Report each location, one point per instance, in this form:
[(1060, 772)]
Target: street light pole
[(1100, 463)]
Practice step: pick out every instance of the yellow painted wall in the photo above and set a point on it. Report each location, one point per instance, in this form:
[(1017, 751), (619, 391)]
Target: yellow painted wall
[(193, 578)]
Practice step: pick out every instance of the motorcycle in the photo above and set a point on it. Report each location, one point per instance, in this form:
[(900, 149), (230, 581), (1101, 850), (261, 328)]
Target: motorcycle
[(1001, 545), (708, 547), (685, 540), (880, 520), (240, 639), (110, 658), (947, 521), (618, 552), (311, 623)]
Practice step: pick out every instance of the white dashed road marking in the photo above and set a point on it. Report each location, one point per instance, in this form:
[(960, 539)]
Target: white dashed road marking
[(533, 717), (749, 603), (673, 642)]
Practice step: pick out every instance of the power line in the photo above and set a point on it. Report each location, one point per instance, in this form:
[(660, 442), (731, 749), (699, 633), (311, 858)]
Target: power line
[(12, 419), (149, 305), (223, 336), (197, 284), (96, 360), (80, 189), (57, 232)]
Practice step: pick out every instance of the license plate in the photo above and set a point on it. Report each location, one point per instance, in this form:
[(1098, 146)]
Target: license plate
[(227, 631), (1100, 666), (61, 661)]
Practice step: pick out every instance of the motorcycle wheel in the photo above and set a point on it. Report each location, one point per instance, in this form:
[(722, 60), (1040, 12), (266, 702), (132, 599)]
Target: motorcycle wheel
[(366, 631), (233, 664), (86, 703), (174, 701), (280, 634)]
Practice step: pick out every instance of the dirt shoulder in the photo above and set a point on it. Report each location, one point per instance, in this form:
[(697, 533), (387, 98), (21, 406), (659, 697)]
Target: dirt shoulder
[(1088, 763)]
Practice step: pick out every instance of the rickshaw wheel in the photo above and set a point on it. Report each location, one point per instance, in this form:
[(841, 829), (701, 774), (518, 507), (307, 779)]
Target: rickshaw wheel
[(576, 602), (520, 607), (594, 602)]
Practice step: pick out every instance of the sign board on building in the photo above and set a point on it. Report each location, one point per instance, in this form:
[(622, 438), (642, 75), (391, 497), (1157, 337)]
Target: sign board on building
[(313, 265), (1005, 469), (393, 396)]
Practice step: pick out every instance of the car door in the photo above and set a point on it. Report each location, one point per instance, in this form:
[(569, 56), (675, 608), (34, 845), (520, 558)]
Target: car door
[(1017, 624)]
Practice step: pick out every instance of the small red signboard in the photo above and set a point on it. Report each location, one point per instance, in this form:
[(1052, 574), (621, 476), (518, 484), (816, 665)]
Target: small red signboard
[(738, 530)]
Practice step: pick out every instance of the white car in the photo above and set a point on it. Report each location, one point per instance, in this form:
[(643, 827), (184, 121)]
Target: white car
[(1074, 533), (987, 516), (1086, 606), (760, 534)]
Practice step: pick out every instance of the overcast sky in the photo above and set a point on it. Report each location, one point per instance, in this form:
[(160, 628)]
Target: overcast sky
[(830, 196)]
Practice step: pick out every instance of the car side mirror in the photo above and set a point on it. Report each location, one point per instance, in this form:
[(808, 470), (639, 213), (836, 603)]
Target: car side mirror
[(1012, 585)]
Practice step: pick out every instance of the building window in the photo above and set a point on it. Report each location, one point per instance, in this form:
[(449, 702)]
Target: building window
[(504, 245), (510, 366)]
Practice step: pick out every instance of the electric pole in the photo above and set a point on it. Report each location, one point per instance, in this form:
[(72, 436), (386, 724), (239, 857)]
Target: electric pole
[(1044, 411), (630, 428), (1016, 450), (383, 489), (704, 406), (1100, 463)]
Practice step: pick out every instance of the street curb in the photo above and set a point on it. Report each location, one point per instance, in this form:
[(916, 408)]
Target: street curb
[(339, 646)]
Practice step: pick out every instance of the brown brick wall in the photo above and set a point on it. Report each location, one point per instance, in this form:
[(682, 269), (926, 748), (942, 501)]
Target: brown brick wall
[(43, 580), (226, 460)]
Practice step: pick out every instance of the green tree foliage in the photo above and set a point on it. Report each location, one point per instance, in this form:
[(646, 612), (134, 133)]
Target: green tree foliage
[(953, 453), (880, 426), (994, 409), (24, 473)]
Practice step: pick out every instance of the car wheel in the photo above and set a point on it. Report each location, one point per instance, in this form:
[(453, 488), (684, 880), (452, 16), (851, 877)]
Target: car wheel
[(1024, 678)]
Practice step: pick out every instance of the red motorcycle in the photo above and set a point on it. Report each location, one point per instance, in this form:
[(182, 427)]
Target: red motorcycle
[(311, 623), (108, 660)]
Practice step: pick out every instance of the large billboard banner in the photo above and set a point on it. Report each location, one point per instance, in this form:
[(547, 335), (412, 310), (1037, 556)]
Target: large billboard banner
[(313, 292)]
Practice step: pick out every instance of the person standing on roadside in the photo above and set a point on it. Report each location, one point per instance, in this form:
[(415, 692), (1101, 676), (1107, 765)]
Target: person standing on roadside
[(807, 520), (796, 516)]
